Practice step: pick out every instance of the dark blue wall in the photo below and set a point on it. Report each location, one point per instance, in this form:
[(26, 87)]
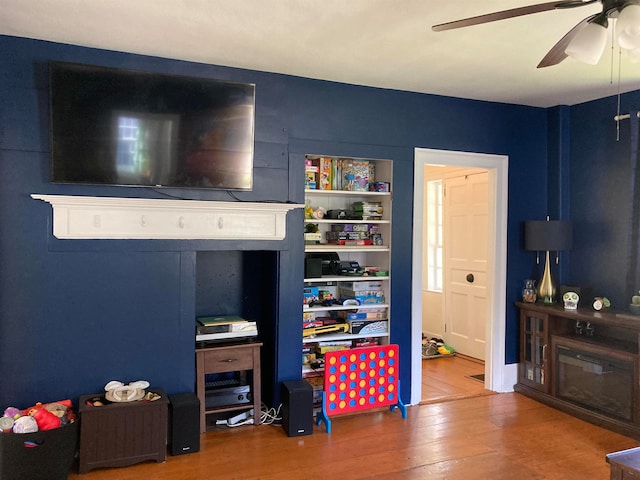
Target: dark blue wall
[(76, 314), (600, 172)]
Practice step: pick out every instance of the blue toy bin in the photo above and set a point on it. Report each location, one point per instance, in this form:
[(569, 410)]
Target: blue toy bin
[(44, 455)]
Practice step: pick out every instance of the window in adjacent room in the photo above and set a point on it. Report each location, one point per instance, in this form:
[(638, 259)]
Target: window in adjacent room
[(434, 236)]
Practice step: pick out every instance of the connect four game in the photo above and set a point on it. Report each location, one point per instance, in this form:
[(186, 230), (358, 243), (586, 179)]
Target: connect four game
[(359, 379)]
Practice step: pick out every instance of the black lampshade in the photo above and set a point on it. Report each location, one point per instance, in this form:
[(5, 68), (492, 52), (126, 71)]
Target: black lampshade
[(543, 235)]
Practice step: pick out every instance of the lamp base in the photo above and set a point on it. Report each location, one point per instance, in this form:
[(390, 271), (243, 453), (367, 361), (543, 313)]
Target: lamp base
[(547, 287)]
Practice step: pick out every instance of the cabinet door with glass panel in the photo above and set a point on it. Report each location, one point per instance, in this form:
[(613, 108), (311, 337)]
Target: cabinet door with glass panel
[(534, 350)]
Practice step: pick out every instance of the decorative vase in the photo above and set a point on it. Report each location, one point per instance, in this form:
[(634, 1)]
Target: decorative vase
[(547, 287), (529, 294)]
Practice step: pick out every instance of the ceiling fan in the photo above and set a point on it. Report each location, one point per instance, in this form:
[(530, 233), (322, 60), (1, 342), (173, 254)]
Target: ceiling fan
[(584, 42)]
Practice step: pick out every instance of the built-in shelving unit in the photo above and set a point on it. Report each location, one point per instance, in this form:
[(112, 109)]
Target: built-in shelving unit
[(372, 255)]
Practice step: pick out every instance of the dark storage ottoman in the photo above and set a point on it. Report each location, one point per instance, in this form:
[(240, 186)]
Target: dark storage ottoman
[(45, 455), (122, 434)]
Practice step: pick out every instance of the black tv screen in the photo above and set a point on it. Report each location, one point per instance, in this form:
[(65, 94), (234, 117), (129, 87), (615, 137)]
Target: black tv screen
[(122, 127)]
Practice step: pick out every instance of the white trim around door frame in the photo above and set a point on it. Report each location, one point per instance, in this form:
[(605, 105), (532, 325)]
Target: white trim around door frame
[(499, 376)]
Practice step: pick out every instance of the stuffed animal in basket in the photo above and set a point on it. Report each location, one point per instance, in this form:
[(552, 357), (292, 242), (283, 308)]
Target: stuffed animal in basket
[(41, 416), (50, 415)]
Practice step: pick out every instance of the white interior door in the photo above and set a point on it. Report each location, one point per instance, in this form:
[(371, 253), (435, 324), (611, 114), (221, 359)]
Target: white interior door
[(499, 375), (466, 204)]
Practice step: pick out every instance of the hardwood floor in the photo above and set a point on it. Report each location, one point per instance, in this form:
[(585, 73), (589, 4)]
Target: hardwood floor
[(447, 378), (460, 431)]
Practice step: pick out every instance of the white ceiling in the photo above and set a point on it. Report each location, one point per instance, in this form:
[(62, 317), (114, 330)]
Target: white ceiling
[(381, 43)]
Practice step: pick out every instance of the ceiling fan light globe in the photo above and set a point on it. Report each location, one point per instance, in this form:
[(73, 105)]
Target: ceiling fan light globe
[(628, 27), (588, 44), (634, 55), (629, 41)]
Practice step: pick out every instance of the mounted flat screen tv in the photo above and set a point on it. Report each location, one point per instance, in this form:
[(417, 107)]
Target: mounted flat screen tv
[(122, 127)]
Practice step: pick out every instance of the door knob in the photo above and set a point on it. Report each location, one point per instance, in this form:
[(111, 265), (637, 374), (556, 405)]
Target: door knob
[(470, 278)]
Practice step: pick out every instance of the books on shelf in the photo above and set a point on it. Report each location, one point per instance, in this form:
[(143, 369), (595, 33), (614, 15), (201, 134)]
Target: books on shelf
[(224, 327), (310, 174), (219, 320), (326, 173)]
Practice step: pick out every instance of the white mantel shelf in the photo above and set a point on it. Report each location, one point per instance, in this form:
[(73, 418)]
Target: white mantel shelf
[(81, 217)]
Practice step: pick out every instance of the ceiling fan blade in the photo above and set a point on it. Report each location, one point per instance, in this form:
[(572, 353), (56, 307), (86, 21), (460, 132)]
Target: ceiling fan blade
[(556, 54), (511, 13)]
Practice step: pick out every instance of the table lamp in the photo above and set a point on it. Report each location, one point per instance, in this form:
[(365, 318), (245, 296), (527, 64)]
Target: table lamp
[(547, 236)]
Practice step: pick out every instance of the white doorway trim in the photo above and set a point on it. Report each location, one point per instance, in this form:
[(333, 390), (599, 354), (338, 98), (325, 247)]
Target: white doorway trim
[(499, 376)]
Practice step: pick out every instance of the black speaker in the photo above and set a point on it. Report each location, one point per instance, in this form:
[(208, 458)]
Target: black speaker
[(184, 423), (330, 262), (312, 267), (297, 408)]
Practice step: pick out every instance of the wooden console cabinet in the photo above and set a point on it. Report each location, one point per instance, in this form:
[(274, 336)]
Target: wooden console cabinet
[(224, 358), (564, 352), (122, 434)]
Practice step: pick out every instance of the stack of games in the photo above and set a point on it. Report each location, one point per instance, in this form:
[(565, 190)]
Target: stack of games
[(368, 210), (309, 320), (365, 292), (351, 234)]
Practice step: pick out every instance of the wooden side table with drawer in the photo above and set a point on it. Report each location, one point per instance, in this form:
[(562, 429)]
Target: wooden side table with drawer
[(225, 358)]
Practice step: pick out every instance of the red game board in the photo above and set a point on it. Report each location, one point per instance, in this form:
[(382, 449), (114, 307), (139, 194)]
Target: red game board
[(358, 379)]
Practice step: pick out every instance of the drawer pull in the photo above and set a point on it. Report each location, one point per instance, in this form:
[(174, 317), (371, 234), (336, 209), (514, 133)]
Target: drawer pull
[(229, 360)]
